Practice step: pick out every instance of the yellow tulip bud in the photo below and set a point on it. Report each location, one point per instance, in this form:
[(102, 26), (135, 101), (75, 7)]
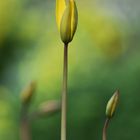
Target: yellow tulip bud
[(68, 21), (111, 105), (28, 92)]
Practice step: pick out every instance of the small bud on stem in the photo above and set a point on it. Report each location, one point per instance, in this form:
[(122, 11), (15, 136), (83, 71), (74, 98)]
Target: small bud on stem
[(28, 92), (110, 110), (111, 105)]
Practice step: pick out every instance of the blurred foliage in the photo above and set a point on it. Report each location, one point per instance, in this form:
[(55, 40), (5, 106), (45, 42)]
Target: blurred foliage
[(104, 56)]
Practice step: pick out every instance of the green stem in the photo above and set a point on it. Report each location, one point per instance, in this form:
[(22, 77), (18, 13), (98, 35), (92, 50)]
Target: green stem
[(24, 124), (64, 94), (105, 129)]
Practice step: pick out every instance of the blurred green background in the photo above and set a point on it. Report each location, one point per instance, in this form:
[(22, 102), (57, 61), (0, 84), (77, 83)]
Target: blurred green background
[(104, 56)]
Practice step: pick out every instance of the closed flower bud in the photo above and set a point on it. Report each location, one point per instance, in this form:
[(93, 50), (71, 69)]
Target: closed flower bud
[(111, 105), (48, 108), (28, 92), (67, 22)]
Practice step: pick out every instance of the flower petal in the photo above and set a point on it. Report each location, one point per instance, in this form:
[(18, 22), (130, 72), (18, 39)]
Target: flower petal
[(60, 7), (65, 26), (74, 17)]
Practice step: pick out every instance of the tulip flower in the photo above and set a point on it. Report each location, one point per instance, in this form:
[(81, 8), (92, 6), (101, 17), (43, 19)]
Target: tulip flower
[(110, 110), (67, 19)]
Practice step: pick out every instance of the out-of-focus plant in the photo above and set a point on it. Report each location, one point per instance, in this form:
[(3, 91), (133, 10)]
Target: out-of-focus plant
[(45, 109), (26, 97), (67, 19), (110, 110)]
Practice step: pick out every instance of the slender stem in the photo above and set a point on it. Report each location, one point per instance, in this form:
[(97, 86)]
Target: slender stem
[(105, 129), (24, 130), (64, 94), (24, 124)]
